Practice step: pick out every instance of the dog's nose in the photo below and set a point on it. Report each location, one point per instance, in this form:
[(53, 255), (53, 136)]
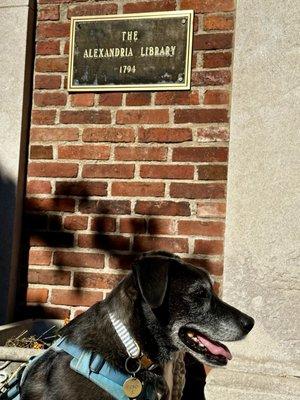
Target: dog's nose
[(247, 323)]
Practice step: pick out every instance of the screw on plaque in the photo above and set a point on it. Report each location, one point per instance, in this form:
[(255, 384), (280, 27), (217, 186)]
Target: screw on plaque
[(183, 21)]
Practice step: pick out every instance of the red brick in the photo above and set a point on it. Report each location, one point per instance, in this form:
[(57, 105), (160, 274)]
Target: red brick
[(200, 154), (108, 171), (47, 312), (147, 243), (75, 222), (216, 97), (121, 261), (164, 135), (67, 47), (50, 99), (39, 257), (75, 297), (213, 134), (105, 206), (85, 117), (55, 222), (218, 22), (55, 64), (81, 188), (52, 204), (38, 187), (103, 224), (47, 82), (211, 78), (142, 117), (213, 41), (37, 295), (194, 60), (162, 208), (53, 29), (201, 228), (35, 221), (200, 116), (217, 60), (133, 225), (78, 259), (161, 226), (84, 152), (207, 6), (49, 277), (54, 134), (82, 99), (52, 239), (198, 190), (149, 6), (211, 210), (212, 172), (80, 311), (214, 267), (108, 135), (55, 170), (140, 153), (110, 99), (38, 152), (138, 99), (43, 117), (56, 1), (140, 189), (92, 9), (48, 13), (105, 242), (96, 281), (167, 171), (48, 47), (169, 98), (214, 247)]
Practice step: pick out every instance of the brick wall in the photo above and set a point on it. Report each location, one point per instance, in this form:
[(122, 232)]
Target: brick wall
[(114, 174)]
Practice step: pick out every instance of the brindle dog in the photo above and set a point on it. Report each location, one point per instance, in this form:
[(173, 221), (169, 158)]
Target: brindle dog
[(167, 305)]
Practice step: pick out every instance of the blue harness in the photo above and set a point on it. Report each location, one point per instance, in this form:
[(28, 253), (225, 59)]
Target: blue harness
[(90, 365)]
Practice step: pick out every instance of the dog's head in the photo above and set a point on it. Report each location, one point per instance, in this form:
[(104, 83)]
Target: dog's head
[(182, 298)]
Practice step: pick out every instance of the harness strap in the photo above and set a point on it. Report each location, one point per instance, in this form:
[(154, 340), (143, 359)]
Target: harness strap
[(96, 369), (90, 365)]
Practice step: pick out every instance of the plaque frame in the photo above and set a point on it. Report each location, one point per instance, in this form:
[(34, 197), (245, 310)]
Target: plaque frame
[(185, 85)]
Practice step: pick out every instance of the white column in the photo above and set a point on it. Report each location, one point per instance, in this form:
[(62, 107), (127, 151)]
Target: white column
[(262, 254), (16, 38)]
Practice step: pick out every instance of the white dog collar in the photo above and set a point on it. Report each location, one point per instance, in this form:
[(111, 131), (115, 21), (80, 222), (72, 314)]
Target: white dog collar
[(130, 344)]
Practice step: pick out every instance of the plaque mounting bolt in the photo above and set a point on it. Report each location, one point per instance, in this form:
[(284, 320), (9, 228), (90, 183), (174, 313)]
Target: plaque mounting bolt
[(183, 21)]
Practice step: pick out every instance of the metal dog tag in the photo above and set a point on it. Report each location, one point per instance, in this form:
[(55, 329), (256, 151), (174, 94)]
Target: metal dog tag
[(132, 387)]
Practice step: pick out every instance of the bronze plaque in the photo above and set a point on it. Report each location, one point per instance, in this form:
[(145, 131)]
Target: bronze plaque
[(150, 51)]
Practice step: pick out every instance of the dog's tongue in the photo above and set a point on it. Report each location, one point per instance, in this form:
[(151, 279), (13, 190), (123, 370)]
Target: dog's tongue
[(215, 348)]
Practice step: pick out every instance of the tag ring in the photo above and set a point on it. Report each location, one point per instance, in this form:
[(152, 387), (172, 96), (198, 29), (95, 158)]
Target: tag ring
[(130, 370)]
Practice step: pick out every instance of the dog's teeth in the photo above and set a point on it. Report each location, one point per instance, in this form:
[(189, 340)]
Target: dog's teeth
[(190, 334)]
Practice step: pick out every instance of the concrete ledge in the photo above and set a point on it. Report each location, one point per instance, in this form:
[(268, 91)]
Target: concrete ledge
[(237, 385)]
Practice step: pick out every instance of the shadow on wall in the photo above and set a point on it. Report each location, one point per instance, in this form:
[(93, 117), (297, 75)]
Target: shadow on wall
[(7, 213), (50, 224)]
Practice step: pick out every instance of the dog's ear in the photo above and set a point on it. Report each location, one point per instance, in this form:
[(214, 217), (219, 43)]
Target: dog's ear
[(152, 274)]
